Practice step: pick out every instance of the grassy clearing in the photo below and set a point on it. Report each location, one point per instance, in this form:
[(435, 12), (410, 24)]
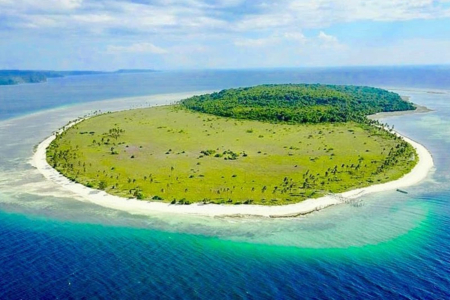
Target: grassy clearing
[(173, 155)]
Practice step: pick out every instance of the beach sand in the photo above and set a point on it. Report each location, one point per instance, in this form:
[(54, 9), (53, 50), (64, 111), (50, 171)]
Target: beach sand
[(419, 110)]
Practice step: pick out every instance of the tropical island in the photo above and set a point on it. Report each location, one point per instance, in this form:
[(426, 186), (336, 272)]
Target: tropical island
[(269, 145)]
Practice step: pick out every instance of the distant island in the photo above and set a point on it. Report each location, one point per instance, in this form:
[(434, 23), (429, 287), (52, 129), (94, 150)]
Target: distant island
[(11, 77), (268, 144)]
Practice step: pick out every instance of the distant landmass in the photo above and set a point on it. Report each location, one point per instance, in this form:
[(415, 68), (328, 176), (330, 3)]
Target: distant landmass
[(11, 77)]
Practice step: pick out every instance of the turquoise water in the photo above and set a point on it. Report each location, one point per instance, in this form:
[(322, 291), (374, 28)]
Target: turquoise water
[(54, 245)]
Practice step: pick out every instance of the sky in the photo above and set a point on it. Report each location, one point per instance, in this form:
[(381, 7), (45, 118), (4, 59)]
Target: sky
[(221, 34)]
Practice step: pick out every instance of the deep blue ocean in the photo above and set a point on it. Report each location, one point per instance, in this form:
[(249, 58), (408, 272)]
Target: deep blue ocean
[(55, 245)]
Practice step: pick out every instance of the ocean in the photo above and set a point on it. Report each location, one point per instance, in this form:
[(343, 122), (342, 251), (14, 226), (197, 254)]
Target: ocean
[(54, 245)]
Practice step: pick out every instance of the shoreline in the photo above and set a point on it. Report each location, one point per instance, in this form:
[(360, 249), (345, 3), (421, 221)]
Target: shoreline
[(381, 115), (141, 207)]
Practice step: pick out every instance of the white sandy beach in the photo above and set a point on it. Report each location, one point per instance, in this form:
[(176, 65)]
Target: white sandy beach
[(135, 206)]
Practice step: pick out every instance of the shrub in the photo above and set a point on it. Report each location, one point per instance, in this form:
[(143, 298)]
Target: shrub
[(208, 152), (102, 185)]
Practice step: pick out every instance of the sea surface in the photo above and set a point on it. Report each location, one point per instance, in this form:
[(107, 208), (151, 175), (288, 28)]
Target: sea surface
[(54, 245)]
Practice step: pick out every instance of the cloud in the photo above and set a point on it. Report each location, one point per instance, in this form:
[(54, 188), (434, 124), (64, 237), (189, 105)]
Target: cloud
[(284, 32), (93, 18), (260, 42), (324, 13), (136, 48), (177, 17), (295, 36), (272, 40), (210, 17), (40, 6), (327, 39)]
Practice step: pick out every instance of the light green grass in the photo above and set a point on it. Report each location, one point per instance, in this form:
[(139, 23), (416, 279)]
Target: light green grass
[(159, 154)]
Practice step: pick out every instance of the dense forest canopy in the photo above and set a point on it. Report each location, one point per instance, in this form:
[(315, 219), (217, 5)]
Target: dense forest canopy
[(298, 103)]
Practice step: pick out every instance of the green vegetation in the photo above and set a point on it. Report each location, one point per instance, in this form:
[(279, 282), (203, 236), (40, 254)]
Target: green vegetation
[(298, 103), (16, 77), (10, 77), (179, 156)]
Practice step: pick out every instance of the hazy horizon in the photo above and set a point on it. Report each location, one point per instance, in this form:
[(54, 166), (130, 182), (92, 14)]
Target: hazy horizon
[(343, 67)]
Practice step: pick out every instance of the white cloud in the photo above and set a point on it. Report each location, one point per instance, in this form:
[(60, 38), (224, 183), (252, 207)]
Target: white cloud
[(225, 32), (261, 42), (43, 6), (272, 40), (93, 18), (330, 42), (178, 17), (225, 3), (39, 21), (264, 21), (324, 13), (329, 39), (136, 48), (295, 36), (217, 16)]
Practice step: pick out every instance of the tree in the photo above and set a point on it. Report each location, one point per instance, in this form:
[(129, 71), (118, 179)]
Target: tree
[(102, 185)]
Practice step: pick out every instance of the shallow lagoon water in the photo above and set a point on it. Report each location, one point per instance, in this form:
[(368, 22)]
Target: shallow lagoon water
[(53, 244)]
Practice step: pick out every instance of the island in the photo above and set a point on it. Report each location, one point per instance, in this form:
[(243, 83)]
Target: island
[(13, 77), (265, 146)]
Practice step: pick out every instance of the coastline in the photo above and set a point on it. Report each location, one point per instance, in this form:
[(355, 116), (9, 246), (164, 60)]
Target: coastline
[(419, 110), (134, 206)]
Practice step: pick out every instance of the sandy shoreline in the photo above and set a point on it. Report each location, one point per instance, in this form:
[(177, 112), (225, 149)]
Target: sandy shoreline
[(135, 206), (419, 110)]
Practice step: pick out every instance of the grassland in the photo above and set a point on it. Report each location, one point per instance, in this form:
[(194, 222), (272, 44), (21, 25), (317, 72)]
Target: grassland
[(174, 155)]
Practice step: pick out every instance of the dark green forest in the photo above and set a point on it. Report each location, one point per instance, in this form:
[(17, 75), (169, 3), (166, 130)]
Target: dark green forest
[(10, 77), (298, 103)]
